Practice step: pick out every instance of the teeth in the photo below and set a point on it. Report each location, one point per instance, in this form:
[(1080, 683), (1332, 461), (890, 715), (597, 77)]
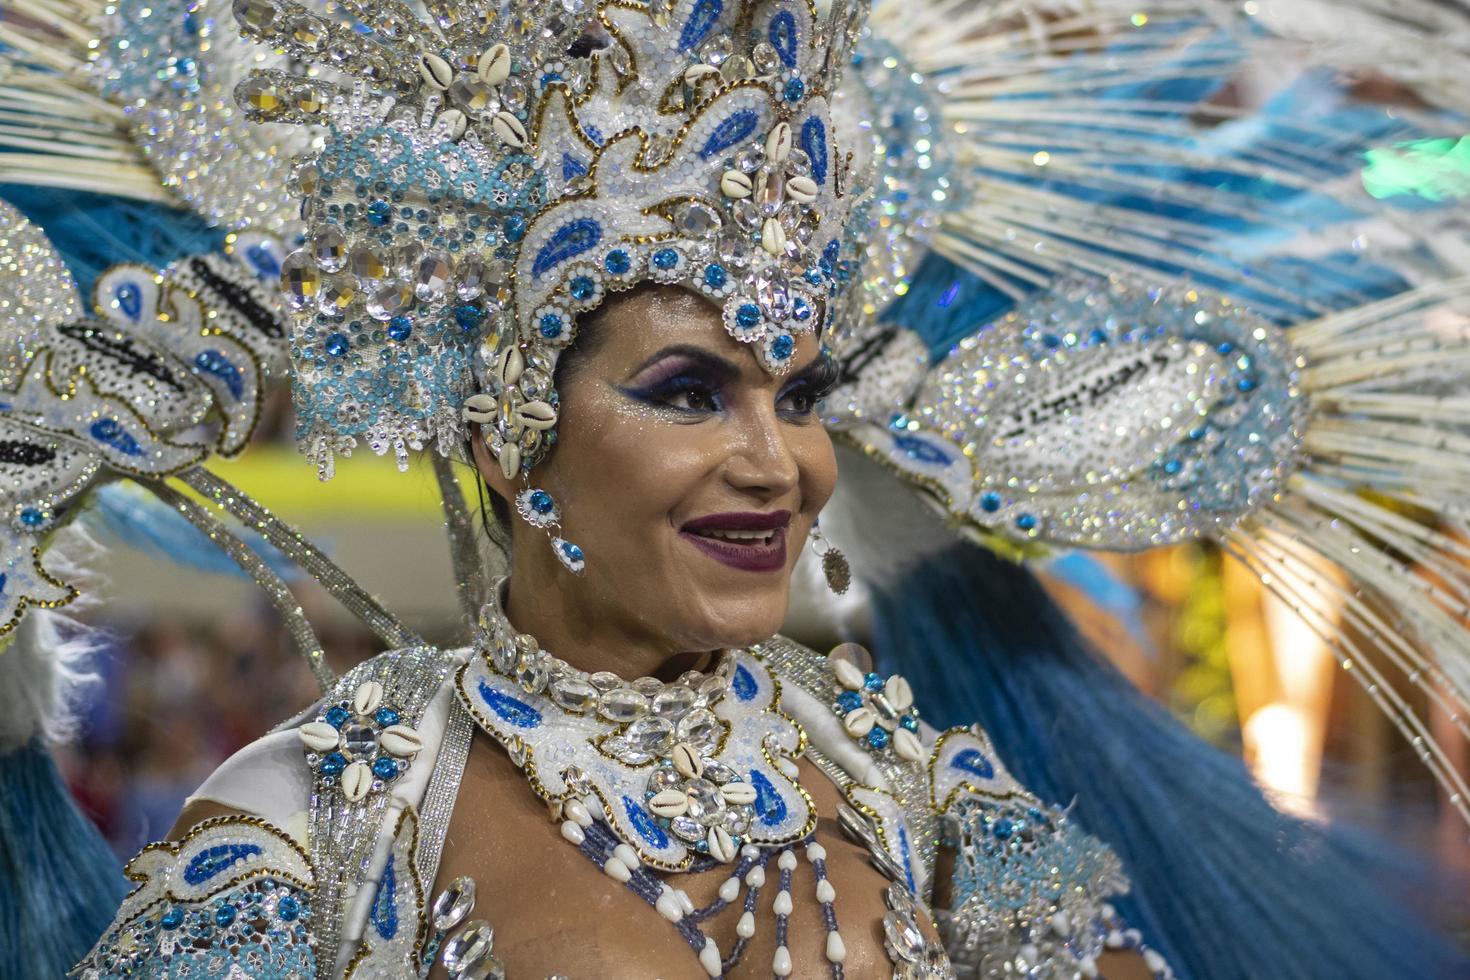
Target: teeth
[(739, 535)]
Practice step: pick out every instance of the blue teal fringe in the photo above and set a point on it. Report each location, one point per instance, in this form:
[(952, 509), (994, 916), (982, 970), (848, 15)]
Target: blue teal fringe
[(95, 231), (1224, 885), (59, 883)]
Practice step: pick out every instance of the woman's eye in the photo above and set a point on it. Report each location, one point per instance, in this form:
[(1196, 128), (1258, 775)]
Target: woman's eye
[(799, 401), (693, 398)]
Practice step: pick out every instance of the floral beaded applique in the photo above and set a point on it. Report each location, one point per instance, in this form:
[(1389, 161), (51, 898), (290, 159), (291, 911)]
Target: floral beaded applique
[(233, 898), (360, 745)]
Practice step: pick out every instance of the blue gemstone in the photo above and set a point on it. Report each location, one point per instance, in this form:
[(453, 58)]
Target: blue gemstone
[(1098, 337), (715, 276), (337, 344), (551, 326), (878, 738), (1246, 384), (571, 551), (849, 701), (399, 328), (830, 250), (379, 213), (748, 316), (990, 502), (1003, 828), (813, 276), (385, 768), (1026, 522), (909, 722), (1226, 347), (782, 347), (385, 717), (337, 716), (468, 316), (1172, 466), (288, 908), (583, 288), (873, 682), (795, 89), (617, 262), (541, 502), (224, 915), (801, 310), (665, 259), (332, 764), (515, 228), (31, 517)]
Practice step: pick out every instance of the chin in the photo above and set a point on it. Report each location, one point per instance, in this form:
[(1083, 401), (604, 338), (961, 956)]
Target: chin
[(739, 616)]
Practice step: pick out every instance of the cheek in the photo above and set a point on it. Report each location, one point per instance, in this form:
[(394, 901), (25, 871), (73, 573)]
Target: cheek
[(817, 461)]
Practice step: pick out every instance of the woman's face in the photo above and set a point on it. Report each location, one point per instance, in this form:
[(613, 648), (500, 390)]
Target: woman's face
[(688, 475)]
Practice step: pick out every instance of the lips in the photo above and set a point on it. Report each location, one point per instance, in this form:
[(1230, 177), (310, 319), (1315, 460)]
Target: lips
[(749, 541)]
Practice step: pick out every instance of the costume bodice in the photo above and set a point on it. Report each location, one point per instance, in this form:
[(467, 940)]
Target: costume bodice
[(329, 870)]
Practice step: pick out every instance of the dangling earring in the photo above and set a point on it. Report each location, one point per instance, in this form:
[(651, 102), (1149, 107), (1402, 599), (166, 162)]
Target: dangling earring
[(539, 510), (834, 563)]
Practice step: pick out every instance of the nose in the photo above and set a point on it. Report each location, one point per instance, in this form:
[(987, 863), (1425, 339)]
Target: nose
[(762, 460)]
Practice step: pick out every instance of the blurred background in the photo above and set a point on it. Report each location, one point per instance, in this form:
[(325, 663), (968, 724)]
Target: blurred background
[(194, 664)]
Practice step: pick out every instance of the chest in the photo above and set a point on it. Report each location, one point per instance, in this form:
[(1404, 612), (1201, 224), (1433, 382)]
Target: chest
[(555, 911)]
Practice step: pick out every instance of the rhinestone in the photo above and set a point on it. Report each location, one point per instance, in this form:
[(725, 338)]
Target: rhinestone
[(648, 686), (514, 93), (765, 57), (573, 694), (470, 279), (406, 259), (673, 702), (622, 704), (751, 158), (688, 828), (712, 688), (705, 802), (625, 751), (300, 279), (454, 903), (699, 728), (359, 741), (309, 32), (664, 778), (650, 736), (330, 249), (468, 947), (904, 936), (898, 899), (699, 220), (605, 680), (262, 94), (336, 296), (390, 300), (718, 772), (431, 280), (257, 15), (368, 264), (772, 195), (532, 673), (487, 967), (736, 820), (471, 94)]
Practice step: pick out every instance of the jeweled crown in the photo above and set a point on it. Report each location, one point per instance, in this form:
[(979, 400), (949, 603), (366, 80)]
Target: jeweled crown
[(487, 176)]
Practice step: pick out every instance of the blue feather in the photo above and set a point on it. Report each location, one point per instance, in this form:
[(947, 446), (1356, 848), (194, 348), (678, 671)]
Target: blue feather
[(1224, 885)]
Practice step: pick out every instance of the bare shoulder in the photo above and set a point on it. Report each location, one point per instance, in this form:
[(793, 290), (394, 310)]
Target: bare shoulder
[(196, 812)]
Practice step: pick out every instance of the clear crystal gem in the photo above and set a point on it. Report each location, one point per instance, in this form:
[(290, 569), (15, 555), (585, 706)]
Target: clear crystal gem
[(605, 680), (336, 296), (471, 94), (622, 704), (664, 778), (648, 686), (532, 672), (904, 936), (300, 279), (453, 903), (431, 280), (406, 259), (736, 820), (369, 265), (470, 278), (650, 735), (573, 694), (389, 300), (687, 828), (467, 947), (673, 702), (700, 728), (705, 802), (359, 741), (330, 249)]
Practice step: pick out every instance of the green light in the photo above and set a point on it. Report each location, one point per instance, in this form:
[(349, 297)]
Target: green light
[(1435, 169)]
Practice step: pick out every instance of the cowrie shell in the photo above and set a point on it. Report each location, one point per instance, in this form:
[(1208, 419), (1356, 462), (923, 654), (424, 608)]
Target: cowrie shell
[(721, 847), (508, 129), (480, 409), (367, 697), (400, 740), (735, 185), (695, 74), (802, 188), (319, 736), (510, 460), (357, 779), (537, 415), (738, 794), (510, 366), (858, 722), (494, 66), (847, 674), (435, 72), (778, 143), (907, 745), (670, 803), (454, 123), (687, 761), (899, 693), (773, 237)]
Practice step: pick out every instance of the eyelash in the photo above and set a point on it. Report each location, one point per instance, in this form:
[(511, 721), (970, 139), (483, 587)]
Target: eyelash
[(811, 389)]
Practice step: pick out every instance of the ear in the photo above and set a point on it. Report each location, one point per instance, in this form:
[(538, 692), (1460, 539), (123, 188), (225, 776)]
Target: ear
[(489, 467)]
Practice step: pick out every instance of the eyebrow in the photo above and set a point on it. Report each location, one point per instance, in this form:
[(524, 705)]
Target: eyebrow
[(711, 362), (822, 367)]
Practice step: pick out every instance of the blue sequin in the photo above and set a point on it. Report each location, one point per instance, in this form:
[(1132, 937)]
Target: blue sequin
[(567, 242), (571, 167), (379, 213), (337, 716), (644, 823), (213, 362), (109, 432), (211, 861), (783, 37), (332, 764), (743, 684), (715, 276), (129, 299), (702, 20), (400, 328), (337, 344), (814, 142), (31, 517), (734, 128), (990, 501), (512, 710), (665, 259), (384, 915), (770, 807), (617, 262), (974, 762)]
